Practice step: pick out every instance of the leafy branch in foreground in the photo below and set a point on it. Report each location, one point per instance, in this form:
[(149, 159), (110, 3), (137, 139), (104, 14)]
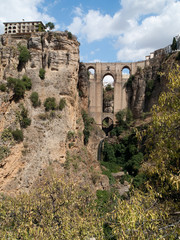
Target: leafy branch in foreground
[(162, 144)]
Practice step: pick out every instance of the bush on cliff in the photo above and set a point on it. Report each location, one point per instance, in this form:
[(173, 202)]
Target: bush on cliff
[(35, 99), (50, 103)]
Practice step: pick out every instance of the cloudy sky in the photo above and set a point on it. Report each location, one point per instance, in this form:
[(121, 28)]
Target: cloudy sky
[(109, 31)]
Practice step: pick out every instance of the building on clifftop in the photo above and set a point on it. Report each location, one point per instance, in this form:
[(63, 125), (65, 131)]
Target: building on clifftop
[(23, 27)]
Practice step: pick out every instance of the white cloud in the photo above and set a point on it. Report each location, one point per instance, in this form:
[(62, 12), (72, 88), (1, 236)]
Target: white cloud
[(16, 10), (138, 26)]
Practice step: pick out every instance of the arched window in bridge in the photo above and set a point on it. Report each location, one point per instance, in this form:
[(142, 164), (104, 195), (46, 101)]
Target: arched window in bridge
[(91, 73), (107, 125), (125, 73), (108, 94)]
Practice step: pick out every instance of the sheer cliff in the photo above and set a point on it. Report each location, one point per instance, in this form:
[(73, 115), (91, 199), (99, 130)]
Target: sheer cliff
[(54, 138)]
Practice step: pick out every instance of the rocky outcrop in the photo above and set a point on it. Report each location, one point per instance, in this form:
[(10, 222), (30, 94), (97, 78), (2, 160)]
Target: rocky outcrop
[(54, 139), (145, 86)]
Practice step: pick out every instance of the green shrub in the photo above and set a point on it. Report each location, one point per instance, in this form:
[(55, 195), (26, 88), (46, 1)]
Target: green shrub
[(27, 82), (23, 118), (149, 88), (128, 84), (62, 104), (35, 99), (4, 152), (2, 87), (139, 180), (18, 135), (70, 135), (11, 82), (50, 104), (178, 56), (6, 135), (109, 88), (19, 90), (24, 54), (42, 73), (19, 86), (88, 121), (69, 35)]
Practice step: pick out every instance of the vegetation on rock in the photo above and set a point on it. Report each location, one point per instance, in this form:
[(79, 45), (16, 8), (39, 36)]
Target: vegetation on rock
[(88, 121), (23, 117), (19, 86), (2, 87), (35, 99), (50, 103), (62, 104), (18, 135), (42, 73), (24, 54)]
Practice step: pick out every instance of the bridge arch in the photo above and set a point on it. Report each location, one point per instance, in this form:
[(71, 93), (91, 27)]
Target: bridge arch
[(95, 89), (108, 93), (125, 72), (91, 72)]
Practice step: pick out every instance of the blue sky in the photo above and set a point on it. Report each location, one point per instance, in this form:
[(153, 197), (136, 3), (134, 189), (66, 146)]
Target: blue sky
[(108, 31)]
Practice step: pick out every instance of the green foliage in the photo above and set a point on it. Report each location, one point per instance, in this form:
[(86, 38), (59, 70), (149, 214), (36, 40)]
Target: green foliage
[(7, 135), (41, 28), (23, 118), (88, 121), (70, 135), (49, 26), (42, 73), (50, 103), (149, 88), (19, 90), (124, 154), (174, 44), (62, 104), (108, 173), (112, 166), (162, 142), (27, 82), (56, 210), (109, 88), (35, 99), (24, 54), (142, 217), (129, 82), (139, 180), (18, 135), (69, 35), (120, 116), (178, 56), (19, 86), (4, 152), (2, 87)]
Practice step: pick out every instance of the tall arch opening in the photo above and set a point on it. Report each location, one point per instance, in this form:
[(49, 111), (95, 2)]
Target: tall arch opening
[(91, 73), (108, 94), (126, 72), (107, 125)]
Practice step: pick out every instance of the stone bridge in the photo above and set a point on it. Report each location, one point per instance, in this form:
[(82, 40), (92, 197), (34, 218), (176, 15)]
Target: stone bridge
[(96, 87)]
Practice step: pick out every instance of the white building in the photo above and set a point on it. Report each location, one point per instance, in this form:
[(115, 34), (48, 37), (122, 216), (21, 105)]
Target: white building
[(23, 27)]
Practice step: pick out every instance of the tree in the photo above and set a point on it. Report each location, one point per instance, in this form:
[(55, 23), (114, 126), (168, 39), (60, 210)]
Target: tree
[(24, 54), (56, 210), (142, 217), (174, 44), (49, 26), (163, 139)]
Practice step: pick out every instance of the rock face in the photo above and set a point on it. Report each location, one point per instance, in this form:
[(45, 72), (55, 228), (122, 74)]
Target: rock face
[(144, 88), (52, 135)]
